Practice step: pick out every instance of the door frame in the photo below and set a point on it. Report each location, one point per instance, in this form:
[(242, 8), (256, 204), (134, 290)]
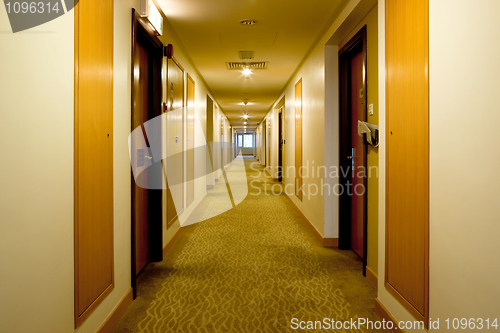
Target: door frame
[(141, 31), (358, 41)]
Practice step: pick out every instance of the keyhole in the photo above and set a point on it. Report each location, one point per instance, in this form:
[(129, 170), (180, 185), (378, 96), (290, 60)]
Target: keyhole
[(391, 133), (108, 135)]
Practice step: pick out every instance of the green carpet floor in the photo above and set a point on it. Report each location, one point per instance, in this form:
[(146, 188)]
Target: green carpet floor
[(250, 269)]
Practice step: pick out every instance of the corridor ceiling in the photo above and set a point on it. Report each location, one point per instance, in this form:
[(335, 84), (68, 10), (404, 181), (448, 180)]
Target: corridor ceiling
[(212, 35)]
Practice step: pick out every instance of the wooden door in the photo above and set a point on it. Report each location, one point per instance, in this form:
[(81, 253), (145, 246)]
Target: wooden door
[(352, 149), (146, 146), (139, 146), (358, 156), (190, 140), (175, 140), (407, 154), (298, 139), (280, 144), (93, 156)]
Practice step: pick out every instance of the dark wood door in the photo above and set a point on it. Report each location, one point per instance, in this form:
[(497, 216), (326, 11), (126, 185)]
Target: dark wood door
[(352, 148), (358, 156), (141, 115)]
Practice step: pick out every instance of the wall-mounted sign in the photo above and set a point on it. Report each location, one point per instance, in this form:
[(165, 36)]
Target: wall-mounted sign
[(152, 14)]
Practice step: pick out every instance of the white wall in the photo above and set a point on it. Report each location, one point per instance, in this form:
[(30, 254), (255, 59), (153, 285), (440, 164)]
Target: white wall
[(36, 206), (464, 160)]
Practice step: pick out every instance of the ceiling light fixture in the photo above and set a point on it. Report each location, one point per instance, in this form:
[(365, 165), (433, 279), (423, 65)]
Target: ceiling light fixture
[(246, 71), (245, 116), (245, 122)]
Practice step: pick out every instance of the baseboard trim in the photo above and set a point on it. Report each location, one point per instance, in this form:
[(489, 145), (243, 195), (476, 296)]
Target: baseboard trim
[(117, 313), (325, 242), (330, 242), (382, 313), (372, 277), (172, 240)]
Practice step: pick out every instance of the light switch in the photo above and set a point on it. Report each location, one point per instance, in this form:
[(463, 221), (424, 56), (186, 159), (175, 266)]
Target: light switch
[(370, 110)]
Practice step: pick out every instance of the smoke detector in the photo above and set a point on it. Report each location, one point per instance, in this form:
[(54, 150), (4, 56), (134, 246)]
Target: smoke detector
[(248, 22), (247, 54)]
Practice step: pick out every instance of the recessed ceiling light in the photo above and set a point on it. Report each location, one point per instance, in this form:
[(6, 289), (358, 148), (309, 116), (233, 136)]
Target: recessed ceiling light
[(245, 116), (245, 122), (248, 22), (247, 71)]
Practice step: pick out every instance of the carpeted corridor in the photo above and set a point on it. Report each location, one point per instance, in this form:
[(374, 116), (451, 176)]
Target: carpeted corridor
[(250, 269)]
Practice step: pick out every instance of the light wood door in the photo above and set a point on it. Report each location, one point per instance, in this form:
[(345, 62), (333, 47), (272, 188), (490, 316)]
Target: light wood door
[(93, 155), (298, 139), (175, 141), (407, 159), (141, 116), (190, 140), (358, 156), (281, 143)]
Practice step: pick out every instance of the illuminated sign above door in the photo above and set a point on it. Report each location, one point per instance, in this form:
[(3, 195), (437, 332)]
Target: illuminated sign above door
[(152, 14)]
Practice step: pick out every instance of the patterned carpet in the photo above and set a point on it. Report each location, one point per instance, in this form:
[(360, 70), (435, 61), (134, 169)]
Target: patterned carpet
[(250, 269)]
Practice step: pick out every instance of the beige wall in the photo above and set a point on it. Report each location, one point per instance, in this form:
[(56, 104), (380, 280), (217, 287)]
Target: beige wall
[(320, 119), (201, 91), (313, 94), (36, 233), (371, 22), (464, 159), (36, 206)]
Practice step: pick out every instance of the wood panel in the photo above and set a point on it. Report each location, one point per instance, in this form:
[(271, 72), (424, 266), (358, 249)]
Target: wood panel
[(407, 157), (298, 139), (93, 155), (190, 140), (175, 140)]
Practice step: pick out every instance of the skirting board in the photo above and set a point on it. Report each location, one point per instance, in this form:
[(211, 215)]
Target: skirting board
[(382, 313), (372, 277), (117, 313), (172, 240), (326, 242)]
